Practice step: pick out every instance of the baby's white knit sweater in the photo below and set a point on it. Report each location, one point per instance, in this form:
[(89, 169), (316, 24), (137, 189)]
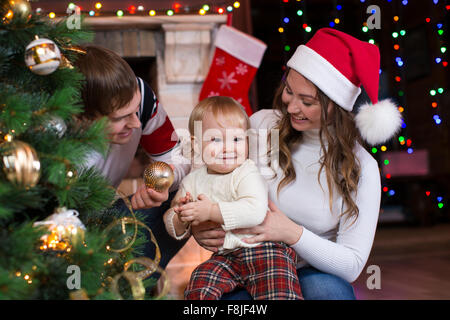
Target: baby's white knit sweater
[(329, 242), (240, 194)]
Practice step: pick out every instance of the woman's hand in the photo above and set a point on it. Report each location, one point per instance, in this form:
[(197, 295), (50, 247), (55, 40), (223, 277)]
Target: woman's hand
[(209, 235), (275, 227)]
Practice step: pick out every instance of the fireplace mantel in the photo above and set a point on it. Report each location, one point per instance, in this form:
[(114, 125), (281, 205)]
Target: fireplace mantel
[(155, 22)]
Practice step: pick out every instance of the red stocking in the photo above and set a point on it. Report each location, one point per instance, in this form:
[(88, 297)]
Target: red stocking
[(234, 65)]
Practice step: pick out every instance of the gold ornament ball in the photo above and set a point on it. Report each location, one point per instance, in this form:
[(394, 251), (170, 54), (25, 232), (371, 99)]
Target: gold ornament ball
[(42, 56), (11, 8), (158, 176), (20, 163)]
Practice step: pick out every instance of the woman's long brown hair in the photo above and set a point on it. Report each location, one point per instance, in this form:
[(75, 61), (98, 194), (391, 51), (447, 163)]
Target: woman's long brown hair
[(341, 166)]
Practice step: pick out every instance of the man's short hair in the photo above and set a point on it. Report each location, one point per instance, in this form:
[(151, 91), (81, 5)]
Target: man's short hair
[(110, 82)]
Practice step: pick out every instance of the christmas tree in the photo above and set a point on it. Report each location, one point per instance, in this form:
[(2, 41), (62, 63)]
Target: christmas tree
[(60, 236)]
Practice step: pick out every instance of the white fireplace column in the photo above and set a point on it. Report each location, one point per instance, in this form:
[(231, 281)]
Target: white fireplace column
[(183, 55)]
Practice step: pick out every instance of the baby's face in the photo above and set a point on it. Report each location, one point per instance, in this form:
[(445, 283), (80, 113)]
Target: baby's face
[(223, 149)]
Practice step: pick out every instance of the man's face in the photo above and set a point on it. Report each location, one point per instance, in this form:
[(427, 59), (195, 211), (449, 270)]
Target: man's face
[(124, 120)]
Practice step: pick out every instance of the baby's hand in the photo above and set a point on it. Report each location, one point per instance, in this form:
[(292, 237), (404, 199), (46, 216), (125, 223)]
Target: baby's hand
[(196, 212), (186, 199)]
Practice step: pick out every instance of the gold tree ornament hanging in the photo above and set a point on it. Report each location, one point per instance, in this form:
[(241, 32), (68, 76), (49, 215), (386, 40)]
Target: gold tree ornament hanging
[(20, 163), (14, 8), (159, 176)]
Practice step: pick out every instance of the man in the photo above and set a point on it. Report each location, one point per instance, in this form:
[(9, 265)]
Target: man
[(135, 117)]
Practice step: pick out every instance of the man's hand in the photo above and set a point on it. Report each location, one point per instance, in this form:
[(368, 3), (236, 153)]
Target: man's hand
[(146, 198)]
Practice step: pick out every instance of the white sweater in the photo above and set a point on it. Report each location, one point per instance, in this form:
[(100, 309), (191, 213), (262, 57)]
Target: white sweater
[(328, 243), (240, 194)]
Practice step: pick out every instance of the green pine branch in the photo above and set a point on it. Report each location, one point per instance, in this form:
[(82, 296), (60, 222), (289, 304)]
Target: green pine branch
[(42, 111)]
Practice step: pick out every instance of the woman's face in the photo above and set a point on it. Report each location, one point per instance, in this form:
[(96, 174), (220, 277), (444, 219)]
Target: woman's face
[(300, 96)]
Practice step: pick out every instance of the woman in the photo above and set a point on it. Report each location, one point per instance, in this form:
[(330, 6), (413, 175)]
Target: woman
[(324, 193)]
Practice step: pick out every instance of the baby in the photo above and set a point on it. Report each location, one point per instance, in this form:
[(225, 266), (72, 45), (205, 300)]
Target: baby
[(229, 190)]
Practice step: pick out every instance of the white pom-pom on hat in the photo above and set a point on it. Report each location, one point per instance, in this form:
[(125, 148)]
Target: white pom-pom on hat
[(379, 122)]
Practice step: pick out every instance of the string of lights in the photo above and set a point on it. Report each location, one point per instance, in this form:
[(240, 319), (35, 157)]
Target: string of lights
[(139, 10)]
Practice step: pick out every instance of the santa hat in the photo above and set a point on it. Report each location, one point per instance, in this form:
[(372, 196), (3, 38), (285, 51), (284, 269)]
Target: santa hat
[(339, 64)]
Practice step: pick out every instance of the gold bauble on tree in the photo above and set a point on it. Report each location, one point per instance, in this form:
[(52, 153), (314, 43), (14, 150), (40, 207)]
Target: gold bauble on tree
[(159, 176), (14, 8), (42, 56), (20, 163)]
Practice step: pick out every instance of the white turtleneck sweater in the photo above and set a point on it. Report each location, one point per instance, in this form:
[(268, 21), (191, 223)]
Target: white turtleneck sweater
[(329, 242), (240, 194)]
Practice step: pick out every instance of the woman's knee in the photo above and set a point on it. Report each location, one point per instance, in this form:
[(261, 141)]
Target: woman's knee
[(317, 285)]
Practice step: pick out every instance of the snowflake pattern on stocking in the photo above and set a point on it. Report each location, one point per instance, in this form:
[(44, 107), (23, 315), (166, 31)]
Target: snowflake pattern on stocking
[(213, 94), (241, 69), (220, 60), (227, 80)]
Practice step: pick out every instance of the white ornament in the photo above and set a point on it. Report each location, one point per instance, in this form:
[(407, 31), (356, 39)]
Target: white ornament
[(62, 218), (42, 56)]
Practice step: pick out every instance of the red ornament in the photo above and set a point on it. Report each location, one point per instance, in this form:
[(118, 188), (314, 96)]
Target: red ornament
[(427, 193)]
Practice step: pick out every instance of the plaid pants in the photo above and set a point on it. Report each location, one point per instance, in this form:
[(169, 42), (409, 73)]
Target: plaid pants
[(267, 272)]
